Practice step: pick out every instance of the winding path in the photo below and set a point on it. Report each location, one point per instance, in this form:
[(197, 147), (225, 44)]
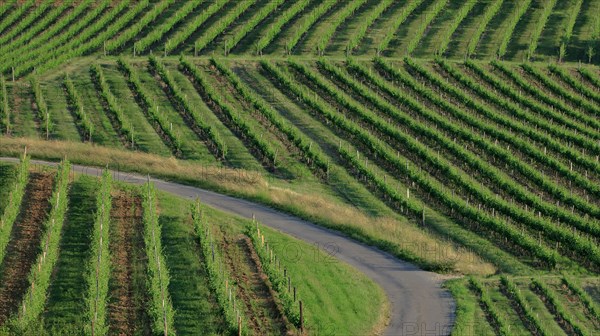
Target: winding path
[(419, 306)]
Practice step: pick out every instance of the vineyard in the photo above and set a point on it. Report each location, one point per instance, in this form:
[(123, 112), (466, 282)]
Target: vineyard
[(462, 137), (132, 283)]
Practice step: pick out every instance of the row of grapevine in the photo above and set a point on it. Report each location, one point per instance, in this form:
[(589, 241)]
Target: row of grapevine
[(182, 35), (335, 22), (430, 14), (41, 106), (99, 271), (24, 23), (160, 306), (523, 146), (577, 122), (213, 31), (544, 97), (592, 307), (496, 320), (218, 276), (587, 74), (133, 30), (4, 108), (520, 144), (39, 277), (280, 279), (275, 28), (361, 31), (549, 83), (51, 42), (16, 14), (301, 29), (80, 47), (568, 29), (395, 25), (487, 172), (49, 32), (514, 111), (234, 120), (216, 143), (479, 166), (531, 320), (159, 31), (515, 18), (394, 197), (12, 209), (315, 159), (427, 186), (257, 18), (4, 7), (110, 103), (568, 320), (574, 177), (573, 241), (539, 27), (160, 123), (577, 86), (488, 15), (76, 103), (41, 24), (593, 46), (77, 34), (463, 11)]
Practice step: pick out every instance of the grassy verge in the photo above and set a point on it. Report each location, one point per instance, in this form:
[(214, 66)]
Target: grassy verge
[(386, 232), (196, 311), (65, 307), (337, 299), (7, 179)]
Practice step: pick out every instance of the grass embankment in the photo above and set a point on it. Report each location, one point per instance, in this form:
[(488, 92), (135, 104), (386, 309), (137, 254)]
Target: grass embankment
[(322, 281), (65, 307), (188, 286), (386, 232), (7, 180)]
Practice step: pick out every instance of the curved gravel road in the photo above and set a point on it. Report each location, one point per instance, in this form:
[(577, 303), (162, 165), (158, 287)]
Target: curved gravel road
[(419, 306)]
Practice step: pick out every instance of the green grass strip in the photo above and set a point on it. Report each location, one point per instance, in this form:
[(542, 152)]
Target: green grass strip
[(219, 278), (99, 261), (160, 308), (488, 15), (12, 209)]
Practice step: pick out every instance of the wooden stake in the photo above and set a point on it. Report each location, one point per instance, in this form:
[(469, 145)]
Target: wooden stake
[(301, 317)]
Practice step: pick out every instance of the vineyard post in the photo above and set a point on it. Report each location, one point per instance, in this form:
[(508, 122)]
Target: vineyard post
[(13, 74), (301, 317), (294, 293), (47, 126)]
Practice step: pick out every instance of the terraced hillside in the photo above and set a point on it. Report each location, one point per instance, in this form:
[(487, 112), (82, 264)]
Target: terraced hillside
[(463, 137)]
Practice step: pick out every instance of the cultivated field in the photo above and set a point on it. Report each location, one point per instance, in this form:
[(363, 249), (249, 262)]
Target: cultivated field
[(463, 137)]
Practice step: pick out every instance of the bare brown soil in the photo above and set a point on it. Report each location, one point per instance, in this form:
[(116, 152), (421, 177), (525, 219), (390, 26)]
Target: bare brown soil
[(125, 310), (23, 248), (264, 313)]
